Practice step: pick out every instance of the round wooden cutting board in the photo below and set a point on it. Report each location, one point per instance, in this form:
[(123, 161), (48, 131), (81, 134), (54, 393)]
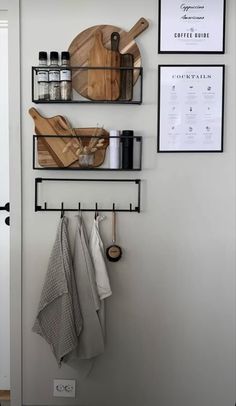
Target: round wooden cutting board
[(80, 47)]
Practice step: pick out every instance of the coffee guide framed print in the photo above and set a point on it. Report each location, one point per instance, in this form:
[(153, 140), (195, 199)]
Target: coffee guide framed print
[(190, 108), (191, 26)]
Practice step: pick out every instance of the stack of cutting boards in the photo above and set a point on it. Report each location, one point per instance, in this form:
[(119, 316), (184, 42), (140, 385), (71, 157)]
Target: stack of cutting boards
[(112, 48)]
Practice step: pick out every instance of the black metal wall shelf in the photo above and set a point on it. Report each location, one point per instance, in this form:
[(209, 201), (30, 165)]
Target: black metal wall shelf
[(131, 208), (45, 159), (76, 98)]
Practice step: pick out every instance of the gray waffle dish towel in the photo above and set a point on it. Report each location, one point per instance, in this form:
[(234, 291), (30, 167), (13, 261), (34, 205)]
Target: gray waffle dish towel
[(59, 319), (91, 340)]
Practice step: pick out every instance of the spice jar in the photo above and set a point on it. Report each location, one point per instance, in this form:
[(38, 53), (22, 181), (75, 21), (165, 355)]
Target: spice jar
[(65, 77), (54, 77), (42, 76)]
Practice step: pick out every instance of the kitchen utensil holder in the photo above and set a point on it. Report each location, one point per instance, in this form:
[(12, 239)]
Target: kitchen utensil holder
[(137, 89), (137, 149), (132, 208)]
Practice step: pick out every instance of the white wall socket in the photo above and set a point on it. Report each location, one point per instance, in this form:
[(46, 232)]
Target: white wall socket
[(64, 388)]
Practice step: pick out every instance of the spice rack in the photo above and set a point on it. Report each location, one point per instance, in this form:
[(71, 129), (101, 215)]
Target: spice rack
[(51, 152), (82, 72)]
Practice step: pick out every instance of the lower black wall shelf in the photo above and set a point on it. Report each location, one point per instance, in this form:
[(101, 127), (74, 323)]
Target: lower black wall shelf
[(59, 153)]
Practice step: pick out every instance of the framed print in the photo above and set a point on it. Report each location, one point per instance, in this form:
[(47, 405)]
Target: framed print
[(191, 26), (191, 108)]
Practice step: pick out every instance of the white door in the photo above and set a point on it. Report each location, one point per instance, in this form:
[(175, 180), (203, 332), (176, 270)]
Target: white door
[(4, 198)]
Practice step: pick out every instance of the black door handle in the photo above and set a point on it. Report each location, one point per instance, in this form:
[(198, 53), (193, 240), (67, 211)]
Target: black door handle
[(6, 207)]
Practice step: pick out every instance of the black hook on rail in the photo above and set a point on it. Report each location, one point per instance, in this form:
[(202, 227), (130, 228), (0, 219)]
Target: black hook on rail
[(62, 210)]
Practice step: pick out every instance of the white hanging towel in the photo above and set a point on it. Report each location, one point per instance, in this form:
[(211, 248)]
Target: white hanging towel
[(59, 319), (98, 256), (101, 275), (91, 341)]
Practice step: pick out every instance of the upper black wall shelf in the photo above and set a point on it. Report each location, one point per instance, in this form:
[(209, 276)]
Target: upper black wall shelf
[(137, 88)]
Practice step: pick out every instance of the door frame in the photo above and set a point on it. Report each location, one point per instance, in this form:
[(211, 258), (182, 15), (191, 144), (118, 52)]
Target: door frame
[(15, 202)]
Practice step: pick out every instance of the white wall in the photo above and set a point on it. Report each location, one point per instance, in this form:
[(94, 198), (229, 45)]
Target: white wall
[(171, 319)]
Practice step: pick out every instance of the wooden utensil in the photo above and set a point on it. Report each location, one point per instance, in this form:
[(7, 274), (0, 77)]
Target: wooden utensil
[(82, 43), (126, 75), (103, 84), (56, 125), (46, 159), (114, 251)]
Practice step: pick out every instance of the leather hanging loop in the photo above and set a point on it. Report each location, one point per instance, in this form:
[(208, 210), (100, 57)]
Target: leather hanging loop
[(96, 211), (114, 251)]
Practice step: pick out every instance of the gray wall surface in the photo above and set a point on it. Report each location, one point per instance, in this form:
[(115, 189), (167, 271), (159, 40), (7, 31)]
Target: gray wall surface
[(171, 319)]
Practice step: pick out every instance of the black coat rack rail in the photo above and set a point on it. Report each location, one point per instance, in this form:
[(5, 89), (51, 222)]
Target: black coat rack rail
[(45, 207)]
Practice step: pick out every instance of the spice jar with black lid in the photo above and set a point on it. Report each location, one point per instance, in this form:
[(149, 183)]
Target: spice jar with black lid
[(54, 77), (42, 76), (65, 77)]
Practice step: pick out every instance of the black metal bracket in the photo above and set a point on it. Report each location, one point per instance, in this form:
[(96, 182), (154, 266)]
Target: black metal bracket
[(114, 207)]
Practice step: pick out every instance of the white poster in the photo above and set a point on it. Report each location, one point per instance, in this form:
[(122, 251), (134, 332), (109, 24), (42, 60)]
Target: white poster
[(191, 102), (191, 26)]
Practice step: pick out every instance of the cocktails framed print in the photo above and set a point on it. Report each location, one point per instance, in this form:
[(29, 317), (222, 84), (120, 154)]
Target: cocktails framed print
[(191, 26), (190, 108)]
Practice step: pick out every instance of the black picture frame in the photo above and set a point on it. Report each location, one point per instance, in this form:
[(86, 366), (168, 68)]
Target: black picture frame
[(160, 136), (176, 51)]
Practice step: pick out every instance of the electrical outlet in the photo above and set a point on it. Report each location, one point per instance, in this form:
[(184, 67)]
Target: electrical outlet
[(64, 388)]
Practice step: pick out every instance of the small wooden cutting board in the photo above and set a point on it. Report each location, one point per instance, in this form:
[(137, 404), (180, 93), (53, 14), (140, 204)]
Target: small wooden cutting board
[(103, 84), (56, 125), (47, 160)]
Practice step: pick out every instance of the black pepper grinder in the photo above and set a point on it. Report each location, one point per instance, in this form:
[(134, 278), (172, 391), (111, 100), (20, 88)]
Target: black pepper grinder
[(127, 149)]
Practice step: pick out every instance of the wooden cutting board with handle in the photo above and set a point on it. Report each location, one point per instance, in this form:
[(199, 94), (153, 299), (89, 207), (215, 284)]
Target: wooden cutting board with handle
[(47, 160), (126, 75), (103, 84), (83, 42), (56, 125)]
